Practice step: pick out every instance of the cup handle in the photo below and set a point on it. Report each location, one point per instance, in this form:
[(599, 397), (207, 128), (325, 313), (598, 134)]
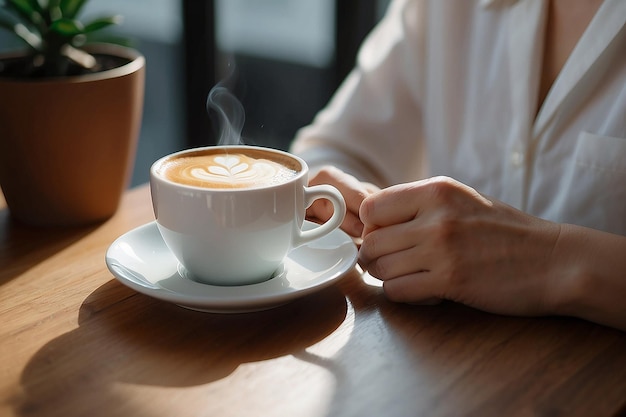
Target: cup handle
[(339, 212)]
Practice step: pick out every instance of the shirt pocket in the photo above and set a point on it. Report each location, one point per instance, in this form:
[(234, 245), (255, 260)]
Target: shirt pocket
[(604, 155), (596, 186)]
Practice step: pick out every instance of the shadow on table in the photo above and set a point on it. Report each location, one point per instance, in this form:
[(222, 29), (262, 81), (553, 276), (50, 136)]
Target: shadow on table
[(23, 246), (125, 337)]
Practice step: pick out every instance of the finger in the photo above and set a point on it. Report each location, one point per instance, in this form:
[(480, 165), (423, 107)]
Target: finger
[(321, 210), (353, 191), (403, 202), (403, 240), (396, 204), (397, 264)]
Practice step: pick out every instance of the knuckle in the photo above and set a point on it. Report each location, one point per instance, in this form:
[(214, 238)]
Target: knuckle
[(380, 269), (447, 230), (444, 231), (365, 256), (325, 175), (376, 265), (369, 246), (442, 189)]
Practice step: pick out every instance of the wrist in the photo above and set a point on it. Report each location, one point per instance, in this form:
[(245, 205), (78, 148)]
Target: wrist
[(589, 269), (571, 281)]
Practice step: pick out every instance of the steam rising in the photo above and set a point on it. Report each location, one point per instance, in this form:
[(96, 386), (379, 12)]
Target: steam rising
[(230, 115)]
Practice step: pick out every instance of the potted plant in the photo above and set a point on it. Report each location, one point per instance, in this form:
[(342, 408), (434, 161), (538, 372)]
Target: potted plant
[(70, 114)]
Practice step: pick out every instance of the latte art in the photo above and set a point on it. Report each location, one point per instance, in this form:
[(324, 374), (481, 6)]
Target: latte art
[(226, 171)]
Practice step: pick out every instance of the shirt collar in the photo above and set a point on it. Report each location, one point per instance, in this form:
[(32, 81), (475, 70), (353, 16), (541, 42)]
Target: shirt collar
[(606, 26)]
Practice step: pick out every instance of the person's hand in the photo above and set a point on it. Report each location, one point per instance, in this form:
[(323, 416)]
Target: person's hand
[(353, 192), (440, 239)]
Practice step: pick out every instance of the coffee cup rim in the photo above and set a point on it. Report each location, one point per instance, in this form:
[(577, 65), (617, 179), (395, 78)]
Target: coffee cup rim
[(153, 174)]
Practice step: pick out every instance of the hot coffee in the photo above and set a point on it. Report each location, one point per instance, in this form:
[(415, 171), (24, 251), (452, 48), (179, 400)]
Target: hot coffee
[(244, 215), (219, 169)]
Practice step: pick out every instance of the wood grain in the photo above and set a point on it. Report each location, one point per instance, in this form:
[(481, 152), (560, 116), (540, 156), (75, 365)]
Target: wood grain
[(75, 342)]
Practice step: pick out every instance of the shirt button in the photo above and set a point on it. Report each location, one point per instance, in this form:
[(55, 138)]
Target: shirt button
[(517, 159)]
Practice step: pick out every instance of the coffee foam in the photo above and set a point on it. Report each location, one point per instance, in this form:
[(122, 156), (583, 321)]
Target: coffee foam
[(228, 170)]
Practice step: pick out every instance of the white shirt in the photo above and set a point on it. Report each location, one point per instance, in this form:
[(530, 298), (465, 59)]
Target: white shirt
[(450, 87)]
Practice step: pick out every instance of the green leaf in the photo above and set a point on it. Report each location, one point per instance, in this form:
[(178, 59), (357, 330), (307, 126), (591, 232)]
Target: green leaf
[(71, 8), (101, 23), (67, 27), (101, 37)]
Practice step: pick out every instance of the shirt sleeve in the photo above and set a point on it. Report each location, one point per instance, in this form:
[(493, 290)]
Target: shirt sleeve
[(372, 126)]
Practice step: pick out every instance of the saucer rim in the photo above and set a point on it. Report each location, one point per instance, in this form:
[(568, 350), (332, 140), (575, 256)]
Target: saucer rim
[(234, 304)]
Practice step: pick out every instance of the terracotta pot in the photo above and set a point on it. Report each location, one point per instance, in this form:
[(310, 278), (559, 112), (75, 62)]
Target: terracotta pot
[(68, 145)]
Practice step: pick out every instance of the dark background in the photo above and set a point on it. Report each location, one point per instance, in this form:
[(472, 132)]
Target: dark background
[(184, 61)]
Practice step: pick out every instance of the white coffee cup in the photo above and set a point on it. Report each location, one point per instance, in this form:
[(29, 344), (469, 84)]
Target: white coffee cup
[(231, 214)]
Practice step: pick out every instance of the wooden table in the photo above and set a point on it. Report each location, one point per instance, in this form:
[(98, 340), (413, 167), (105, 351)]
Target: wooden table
[(75, 342)]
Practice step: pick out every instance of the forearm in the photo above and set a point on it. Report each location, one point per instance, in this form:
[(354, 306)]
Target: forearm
[(591, 270)]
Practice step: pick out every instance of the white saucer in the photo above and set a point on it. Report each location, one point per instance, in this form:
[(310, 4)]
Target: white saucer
[(141, 260)]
